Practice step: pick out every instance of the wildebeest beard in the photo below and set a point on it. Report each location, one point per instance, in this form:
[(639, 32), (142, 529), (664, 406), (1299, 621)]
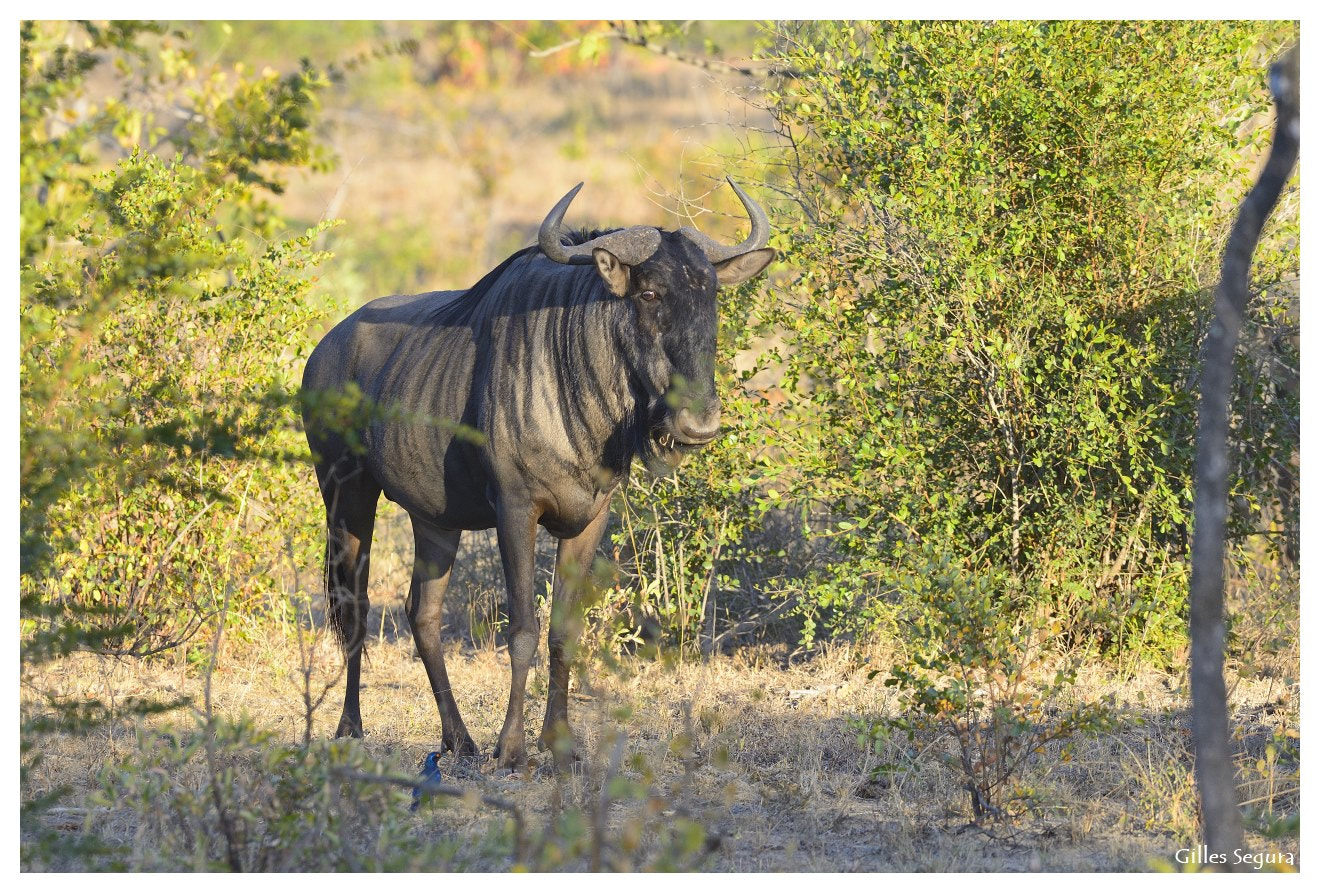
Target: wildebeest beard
[(653, 445)]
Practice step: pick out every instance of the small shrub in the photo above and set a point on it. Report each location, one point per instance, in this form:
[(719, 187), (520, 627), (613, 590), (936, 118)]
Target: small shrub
[(228, 796), (973, 671)]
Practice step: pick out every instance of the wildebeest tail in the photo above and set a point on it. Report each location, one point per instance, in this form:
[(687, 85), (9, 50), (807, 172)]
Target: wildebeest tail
[(346, 607)]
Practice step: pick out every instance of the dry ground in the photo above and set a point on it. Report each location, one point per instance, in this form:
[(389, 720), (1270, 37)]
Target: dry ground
[(758, 747), (774, 769)]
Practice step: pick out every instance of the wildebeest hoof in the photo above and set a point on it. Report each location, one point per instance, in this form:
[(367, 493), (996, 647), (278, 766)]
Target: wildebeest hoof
[(515, 763), (468, 757), (572, 764), (564, 756), (511, 758), (348, 728), (461, 745), (557, 737)]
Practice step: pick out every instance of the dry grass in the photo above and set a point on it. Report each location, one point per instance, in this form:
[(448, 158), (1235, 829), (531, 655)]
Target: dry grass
[(761, 753), (760, 750)]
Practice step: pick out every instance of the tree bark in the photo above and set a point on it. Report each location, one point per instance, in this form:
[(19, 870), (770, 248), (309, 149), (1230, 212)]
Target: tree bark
[(1215, 777)]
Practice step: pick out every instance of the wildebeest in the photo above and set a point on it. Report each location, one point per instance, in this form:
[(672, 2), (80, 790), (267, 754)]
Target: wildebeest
[(562, 365)]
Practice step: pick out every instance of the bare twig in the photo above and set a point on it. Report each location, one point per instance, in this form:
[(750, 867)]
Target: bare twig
[(638, 39), (619, 31), (233, 848), (307, 655), (557, 48), (600, 809)]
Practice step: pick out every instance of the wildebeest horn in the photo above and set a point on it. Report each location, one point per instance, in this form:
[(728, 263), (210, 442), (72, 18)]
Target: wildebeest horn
[(760, 234), (631, 246)]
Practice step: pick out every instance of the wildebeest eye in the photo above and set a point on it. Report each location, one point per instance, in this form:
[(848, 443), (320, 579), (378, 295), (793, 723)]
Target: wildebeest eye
[(648, 295)]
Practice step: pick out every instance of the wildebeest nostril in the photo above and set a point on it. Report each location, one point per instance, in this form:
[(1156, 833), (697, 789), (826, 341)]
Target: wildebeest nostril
[(698, 428)]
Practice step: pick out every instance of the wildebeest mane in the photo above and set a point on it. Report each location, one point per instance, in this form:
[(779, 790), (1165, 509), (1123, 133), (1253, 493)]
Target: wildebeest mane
[(584, 235), (478, 291)]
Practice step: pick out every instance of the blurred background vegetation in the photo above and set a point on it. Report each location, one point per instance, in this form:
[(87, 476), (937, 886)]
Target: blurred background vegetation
[(979, 352), (998, 243)]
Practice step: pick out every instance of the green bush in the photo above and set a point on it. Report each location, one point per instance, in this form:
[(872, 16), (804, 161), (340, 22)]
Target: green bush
[(164, 319), (1006, 236)]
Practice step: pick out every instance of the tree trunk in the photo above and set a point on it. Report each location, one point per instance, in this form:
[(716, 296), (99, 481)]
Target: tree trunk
[(1215, 778)]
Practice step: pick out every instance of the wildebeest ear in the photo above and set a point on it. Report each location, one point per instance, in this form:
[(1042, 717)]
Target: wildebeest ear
[(742, 267), (615, 274)]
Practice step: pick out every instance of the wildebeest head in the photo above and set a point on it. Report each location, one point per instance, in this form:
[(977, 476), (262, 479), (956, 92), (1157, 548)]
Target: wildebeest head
[(670, 280)]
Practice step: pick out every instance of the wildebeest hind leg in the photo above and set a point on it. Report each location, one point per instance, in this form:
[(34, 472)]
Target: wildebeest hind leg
[(572, 576), (350, 495), (431, 566)]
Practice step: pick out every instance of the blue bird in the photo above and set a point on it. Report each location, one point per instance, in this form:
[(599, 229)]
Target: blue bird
[(430, 773)]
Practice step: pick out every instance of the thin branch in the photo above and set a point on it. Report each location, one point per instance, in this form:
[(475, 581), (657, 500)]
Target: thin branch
[(639, 39), (619, 31), (557, 48)]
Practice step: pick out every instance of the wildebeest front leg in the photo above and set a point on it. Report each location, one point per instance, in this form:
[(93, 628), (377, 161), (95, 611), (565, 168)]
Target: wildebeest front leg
[(516, 529), (432, 563), (572, 573)]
